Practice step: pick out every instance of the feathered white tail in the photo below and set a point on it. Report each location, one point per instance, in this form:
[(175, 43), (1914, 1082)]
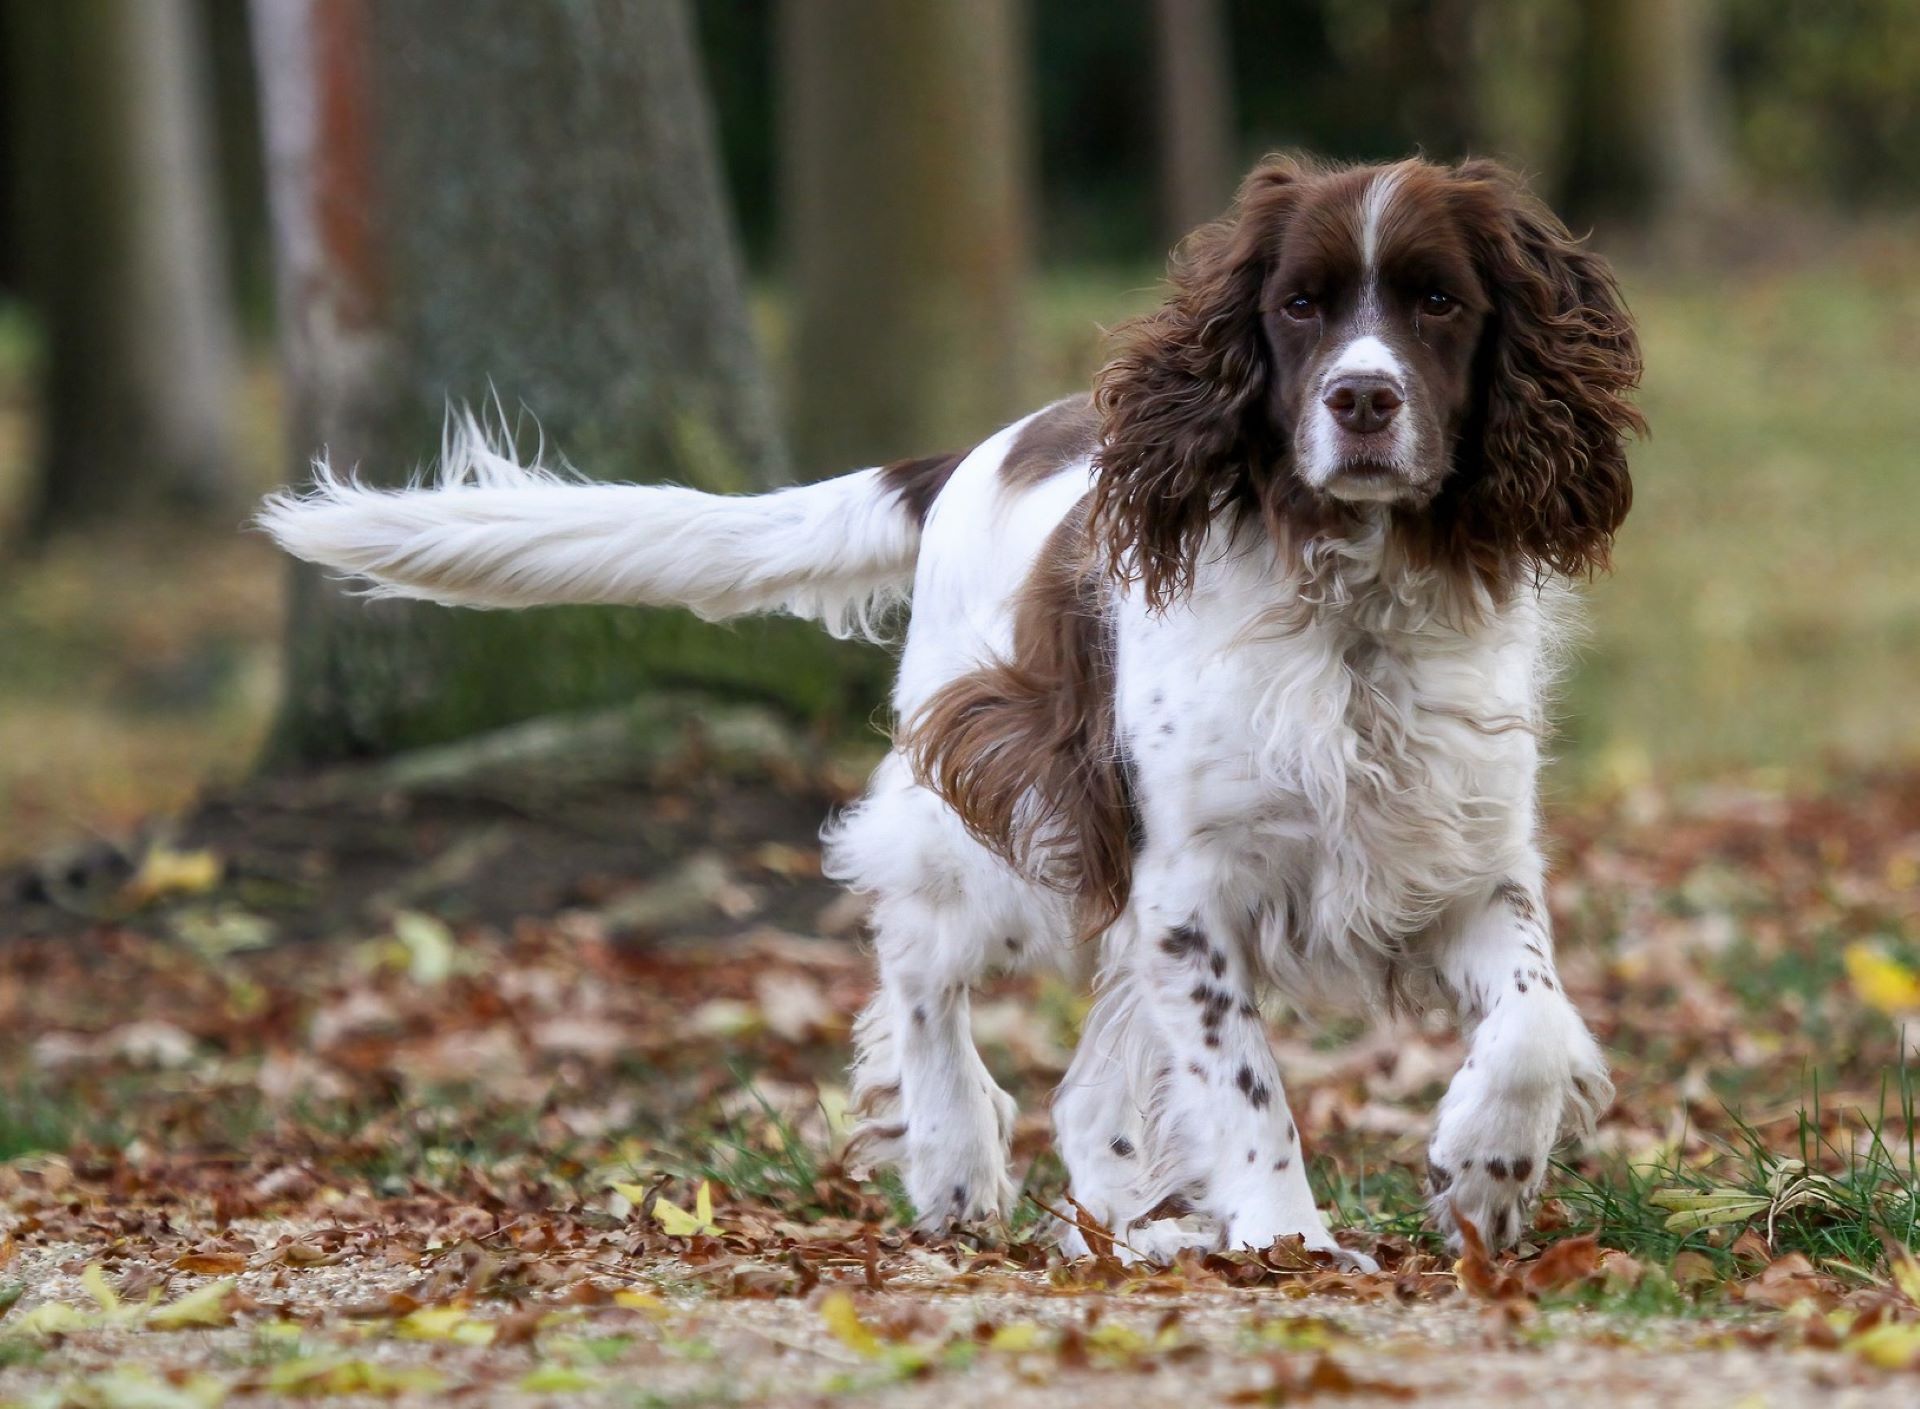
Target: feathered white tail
[(490, 532)]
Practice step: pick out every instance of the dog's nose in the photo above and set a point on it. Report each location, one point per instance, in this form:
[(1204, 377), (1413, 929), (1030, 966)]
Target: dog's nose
[(1363, 404)]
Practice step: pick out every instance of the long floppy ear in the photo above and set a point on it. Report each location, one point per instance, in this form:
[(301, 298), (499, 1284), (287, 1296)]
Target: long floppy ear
[(1182, 402), (1543, 472)]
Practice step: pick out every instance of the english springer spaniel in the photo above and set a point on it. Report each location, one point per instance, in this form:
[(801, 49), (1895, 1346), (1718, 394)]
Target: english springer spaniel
[(1227, 678)]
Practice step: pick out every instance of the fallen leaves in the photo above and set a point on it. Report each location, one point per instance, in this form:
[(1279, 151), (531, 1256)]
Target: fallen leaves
[(530, 1149), (1881, 981), (209, 1305)]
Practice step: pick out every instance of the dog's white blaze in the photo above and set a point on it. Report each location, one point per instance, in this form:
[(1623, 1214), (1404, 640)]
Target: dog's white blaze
[(1373, 210), (1366, 354)]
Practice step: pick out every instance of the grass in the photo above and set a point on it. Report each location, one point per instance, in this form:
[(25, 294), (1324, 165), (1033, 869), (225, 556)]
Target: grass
[(37, 1117)]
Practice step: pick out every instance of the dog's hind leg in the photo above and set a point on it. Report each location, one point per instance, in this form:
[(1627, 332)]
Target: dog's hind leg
[(947, 1124), (945, 913)]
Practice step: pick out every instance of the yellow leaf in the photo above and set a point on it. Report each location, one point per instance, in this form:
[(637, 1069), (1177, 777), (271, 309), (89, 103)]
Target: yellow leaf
[(97, 1287), (444, 1323), (1906, 1275), (556, 1379), (677, 1222), (322, 1376), (1888, 1345), (1117, 1340), (429, 946), (54, 1318), (641, 1301), (1016, 1337), (1695, 1209), (206, 1306), (133, 1387), (838, 1311), (1881, 981), (164, 871)]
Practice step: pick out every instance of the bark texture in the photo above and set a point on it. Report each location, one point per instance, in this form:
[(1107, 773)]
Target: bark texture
[(905, 195), (476, 199)]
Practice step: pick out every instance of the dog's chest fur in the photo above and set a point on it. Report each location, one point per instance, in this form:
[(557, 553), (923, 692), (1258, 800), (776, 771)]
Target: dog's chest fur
[(1330, 750)]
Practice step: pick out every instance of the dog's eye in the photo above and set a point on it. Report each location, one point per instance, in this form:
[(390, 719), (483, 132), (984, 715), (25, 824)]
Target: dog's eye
[(1438, 304), (1300, 306)]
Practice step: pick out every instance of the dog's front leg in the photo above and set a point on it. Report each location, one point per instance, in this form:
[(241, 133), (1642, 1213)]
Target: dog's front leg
[(1533, 1072), (1220, 1131)]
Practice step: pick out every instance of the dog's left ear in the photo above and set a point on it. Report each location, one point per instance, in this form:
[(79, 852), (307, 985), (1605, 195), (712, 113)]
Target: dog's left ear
[(1561, 357), (1183, 401)]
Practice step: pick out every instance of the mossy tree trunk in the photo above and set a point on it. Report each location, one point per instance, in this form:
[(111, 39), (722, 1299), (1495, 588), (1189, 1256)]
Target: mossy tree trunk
[(123, 256), (905, 195), (481, 197)]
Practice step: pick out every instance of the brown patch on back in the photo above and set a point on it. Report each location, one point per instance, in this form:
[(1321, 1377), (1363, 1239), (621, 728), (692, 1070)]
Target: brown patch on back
[(1025, 749), (917, 483), (1050, 441)]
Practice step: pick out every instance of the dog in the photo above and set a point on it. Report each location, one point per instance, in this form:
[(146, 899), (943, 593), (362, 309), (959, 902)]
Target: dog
[(1228, 678)]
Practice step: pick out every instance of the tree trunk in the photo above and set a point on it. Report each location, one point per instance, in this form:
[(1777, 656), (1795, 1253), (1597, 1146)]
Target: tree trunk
[(124, 256), (481, 198), (1649, 135), (1520, 67), (1196, 112), (905, 193)]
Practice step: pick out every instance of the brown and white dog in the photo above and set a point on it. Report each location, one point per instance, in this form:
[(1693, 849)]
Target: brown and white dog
[(1228, 679)]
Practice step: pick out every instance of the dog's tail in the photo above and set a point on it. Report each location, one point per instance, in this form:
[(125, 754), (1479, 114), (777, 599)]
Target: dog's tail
[(489, 531)]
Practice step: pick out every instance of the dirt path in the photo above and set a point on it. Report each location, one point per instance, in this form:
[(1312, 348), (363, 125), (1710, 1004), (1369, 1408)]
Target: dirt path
[(934, 1344)]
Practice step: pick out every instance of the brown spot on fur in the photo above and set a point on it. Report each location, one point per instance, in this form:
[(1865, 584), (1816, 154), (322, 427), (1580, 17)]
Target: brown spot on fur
[(1172, 1206), (1252, 1088), (1050, 441), (1183, 941), (1121, 1146), (1025, 751), (917, 483), (1514, 896), (1522, 1167)]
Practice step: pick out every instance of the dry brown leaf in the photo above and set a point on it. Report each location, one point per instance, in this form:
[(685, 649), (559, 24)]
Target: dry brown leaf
[(1565, 1264)]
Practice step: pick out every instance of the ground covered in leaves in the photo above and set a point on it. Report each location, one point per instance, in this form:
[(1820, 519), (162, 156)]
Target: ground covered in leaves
[(576, 1137)]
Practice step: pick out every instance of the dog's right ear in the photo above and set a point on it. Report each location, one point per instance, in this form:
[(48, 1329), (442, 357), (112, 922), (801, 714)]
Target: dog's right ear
[(1183, 401)]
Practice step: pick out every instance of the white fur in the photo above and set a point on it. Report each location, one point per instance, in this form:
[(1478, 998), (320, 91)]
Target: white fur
[(1373, 212), (1335, 763), (491, 532)]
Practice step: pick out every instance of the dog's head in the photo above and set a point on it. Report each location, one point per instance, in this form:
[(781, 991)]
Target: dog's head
[(1423, 337)]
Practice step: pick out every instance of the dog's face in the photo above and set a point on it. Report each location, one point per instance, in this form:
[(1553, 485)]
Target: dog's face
[(1425, 337), (1372, 315)]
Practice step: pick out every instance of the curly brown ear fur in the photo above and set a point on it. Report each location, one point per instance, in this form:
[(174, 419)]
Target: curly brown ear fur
[(1184, 427), (1542, 472)]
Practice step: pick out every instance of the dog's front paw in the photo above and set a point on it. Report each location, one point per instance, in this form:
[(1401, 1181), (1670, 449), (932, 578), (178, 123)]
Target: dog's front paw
[(953, 1184), (1495, 1193)]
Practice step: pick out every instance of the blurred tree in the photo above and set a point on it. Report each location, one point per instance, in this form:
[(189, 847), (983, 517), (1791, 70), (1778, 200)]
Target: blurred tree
[(476, 194), (1197, 159), (1649, 130), (1520, 67), (123, 255), (905, 206)]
